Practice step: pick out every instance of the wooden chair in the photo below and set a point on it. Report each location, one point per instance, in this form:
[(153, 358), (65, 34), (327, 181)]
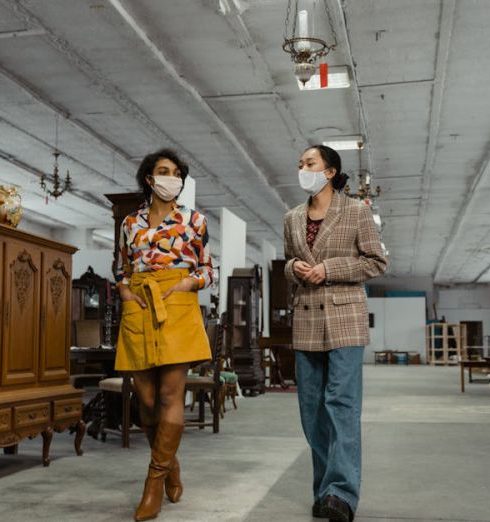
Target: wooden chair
[(206, 385), (115, 418), (87, 333)]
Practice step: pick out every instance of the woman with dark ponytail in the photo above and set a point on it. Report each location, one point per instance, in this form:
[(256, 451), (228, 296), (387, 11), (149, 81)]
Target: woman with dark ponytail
[(332, 247)]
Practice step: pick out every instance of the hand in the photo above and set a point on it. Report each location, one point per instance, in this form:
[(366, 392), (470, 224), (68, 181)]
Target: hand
[(301, 269), (316, 275), (189, 284), (127, 295)]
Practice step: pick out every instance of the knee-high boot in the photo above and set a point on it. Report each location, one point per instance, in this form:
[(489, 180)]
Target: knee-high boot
[(173, 485), (165, 445), (149, 431)]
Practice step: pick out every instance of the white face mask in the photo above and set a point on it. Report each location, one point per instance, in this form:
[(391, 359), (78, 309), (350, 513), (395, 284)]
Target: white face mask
[(167, 187), (312, 182)]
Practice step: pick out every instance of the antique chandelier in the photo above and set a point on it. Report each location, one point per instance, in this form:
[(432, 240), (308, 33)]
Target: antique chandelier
[(300, 42), (365, 192), (59, 186)]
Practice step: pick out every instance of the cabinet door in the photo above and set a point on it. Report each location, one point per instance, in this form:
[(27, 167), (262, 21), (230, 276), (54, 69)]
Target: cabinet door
[(55, 333), (2, 297), (21, 292)]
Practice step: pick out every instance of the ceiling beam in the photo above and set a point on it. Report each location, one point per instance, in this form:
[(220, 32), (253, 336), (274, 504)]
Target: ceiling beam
[(341, 16), (237, 24), (129, 106), (103, 177), (42, 99), (87, 197), (194, 94), (446, 24), (396, 84), (21, 33), (480, 181)]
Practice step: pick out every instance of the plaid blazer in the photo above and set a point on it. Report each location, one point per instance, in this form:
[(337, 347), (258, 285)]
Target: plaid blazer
[(333, 314)]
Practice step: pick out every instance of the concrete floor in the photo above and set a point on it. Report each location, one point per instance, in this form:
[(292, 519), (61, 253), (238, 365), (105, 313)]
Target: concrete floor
[(426, 458)]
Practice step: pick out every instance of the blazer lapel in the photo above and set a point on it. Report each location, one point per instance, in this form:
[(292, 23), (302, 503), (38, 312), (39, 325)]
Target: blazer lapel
[(331, 219), (300, 231)]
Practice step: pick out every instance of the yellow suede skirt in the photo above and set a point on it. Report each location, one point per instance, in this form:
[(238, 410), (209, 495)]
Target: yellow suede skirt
[(167, 331)]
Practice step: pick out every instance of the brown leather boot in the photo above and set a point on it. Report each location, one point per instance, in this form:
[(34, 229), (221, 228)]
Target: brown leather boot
[(173, 485), (166, 443), (150, 432)]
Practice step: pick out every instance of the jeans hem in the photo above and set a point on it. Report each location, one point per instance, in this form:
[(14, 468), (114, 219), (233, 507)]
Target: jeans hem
[(346, 497)]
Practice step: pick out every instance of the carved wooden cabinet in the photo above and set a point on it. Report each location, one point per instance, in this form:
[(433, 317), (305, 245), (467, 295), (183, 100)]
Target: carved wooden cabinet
[(35, 330)]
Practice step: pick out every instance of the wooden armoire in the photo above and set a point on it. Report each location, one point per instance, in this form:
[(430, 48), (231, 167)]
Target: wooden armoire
[(35, 311)]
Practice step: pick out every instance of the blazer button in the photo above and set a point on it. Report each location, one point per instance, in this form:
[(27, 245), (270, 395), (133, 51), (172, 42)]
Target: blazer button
[(306, 307), (322, 306)]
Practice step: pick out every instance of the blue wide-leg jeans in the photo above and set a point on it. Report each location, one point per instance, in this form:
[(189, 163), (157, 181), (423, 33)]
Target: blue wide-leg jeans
[(330, 402)]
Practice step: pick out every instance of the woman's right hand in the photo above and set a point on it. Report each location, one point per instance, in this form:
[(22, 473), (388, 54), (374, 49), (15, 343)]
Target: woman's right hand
[(301, 269), (127, 295)]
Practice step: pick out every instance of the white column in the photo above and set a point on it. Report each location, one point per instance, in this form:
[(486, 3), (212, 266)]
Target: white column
[(233, 243), (268, 254), (188, 195)]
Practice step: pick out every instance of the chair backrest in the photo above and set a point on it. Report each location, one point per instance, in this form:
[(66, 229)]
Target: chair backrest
[(88, 333), (214, 330)]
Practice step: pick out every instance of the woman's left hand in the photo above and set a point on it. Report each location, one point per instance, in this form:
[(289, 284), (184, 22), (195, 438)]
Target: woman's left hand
[(316, 275), (189, 284)]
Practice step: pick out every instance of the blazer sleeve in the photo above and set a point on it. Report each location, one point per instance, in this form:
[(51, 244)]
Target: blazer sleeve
[(371, 261), (289, 254)]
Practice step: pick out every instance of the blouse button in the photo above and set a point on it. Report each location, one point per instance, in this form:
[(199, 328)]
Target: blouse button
[(306, 307), (322, 306)]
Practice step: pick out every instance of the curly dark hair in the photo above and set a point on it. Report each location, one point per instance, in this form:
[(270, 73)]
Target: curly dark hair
[(332, 159), (148, 164)]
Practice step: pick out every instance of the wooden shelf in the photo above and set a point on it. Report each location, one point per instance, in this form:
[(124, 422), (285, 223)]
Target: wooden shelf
[(438, 336)]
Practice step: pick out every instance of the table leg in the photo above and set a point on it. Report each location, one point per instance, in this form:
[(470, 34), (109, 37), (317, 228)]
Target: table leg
[(462, 377), (47, 438), (79, 436)]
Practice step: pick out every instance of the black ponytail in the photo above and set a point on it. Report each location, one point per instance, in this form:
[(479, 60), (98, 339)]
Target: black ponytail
[(332, 160)]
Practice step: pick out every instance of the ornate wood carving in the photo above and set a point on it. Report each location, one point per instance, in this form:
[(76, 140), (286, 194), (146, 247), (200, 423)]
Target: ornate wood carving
[(57, 284), (5, 419), (24, 269), (9, 439), (57, 288)]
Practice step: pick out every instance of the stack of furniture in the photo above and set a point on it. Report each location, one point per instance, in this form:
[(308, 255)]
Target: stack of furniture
[(35, 394), (243, 331), (445, 343)]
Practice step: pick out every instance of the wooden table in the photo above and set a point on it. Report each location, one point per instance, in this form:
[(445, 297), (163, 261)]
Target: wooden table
[(471, 364)]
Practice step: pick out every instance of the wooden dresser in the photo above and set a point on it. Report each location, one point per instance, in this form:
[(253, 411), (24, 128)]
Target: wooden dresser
[(35, 327)]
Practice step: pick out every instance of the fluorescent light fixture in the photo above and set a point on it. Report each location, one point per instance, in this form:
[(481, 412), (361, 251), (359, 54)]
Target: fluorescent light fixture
[(345, 142), (338, 78)]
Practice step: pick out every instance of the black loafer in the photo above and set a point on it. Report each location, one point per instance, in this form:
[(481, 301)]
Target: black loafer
[(317, 511), (336, 509)]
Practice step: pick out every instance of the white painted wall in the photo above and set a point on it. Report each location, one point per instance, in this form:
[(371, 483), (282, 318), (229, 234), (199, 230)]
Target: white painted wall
[(188, 195), (399, 325), (268, 254), (233, 243), (36, 228), (466, 303), (376, 306)]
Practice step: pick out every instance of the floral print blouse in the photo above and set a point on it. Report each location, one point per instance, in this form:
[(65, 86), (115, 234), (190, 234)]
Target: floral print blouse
[(179, 241)]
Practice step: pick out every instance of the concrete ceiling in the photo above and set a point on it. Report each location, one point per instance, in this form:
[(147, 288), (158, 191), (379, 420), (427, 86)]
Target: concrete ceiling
[(124, 77)]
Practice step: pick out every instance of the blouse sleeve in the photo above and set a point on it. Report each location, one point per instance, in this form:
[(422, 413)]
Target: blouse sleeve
[(204, 269), (123, 269)]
